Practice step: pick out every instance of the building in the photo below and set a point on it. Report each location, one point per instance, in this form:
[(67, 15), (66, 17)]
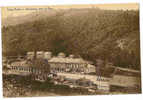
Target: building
[(21, 67), (47, 55), (77, 72), (38, 67), (30, 55), (39, 55), (125, 80), (30, 65), (70, 64), (61, 55)]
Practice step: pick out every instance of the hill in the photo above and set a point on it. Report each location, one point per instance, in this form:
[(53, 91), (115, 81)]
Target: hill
[(110, 35)]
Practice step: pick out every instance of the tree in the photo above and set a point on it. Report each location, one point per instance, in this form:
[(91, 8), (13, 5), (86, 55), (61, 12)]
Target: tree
[(41, 66)]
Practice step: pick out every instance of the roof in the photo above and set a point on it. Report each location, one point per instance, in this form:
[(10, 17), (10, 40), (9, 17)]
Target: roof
[(126, 77), (67, 60), (30, 52), (90, 66), (38, 63), (127, 69), (61, 53), (71, 56), (19, 64), (125, 81), (48, 52), (127, 72), (39, 52)]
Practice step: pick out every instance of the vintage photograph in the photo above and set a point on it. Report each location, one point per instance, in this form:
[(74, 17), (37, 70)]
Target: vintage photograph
[(71, 50)]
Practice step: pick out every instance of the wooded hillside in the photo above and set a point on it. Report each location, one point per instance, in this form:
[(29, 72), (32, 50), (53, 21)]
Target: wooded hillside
[(111, 35)]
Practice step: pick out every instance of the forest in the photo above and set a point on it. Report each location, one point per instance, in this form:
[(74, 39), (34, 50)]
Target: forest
[(90, 33)]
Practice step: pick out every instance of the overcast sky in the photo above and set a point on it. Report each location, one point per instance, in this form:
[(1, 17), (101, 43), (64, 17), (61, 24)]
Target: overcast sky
[(10, 11)]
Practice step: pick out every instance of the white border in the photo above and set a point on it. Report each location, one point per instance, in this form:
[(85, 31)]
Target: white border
[(62, 2)]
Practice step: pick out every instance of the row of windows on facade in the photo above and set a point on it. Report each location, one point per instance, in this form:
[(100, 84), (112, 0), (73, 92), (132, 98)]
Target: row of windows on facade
[(69, 68), (26, 69), (64, 65), (66, 70), (53, 69)]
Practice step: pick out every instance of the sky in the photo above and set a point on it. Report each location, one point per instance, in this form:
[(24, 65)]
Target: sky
[(13, 11)]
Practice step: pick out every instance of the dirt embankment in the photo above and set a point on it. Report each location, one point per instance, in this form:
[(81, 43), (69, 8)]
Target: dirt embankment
[(23, 86)]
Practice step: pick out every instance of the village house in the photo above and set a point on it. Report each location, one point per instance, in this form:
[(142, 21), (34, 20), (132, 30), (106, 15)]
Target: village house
[(125, 79)]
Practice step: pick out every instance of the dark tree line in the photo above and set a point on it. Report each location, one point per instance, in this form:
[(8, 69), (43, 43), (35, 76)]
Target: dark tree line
[(109, 35)]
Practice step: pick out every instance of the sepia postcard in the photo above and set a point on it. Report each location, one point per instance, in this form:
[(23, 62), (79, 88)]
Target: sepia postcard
[(71, 50)]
